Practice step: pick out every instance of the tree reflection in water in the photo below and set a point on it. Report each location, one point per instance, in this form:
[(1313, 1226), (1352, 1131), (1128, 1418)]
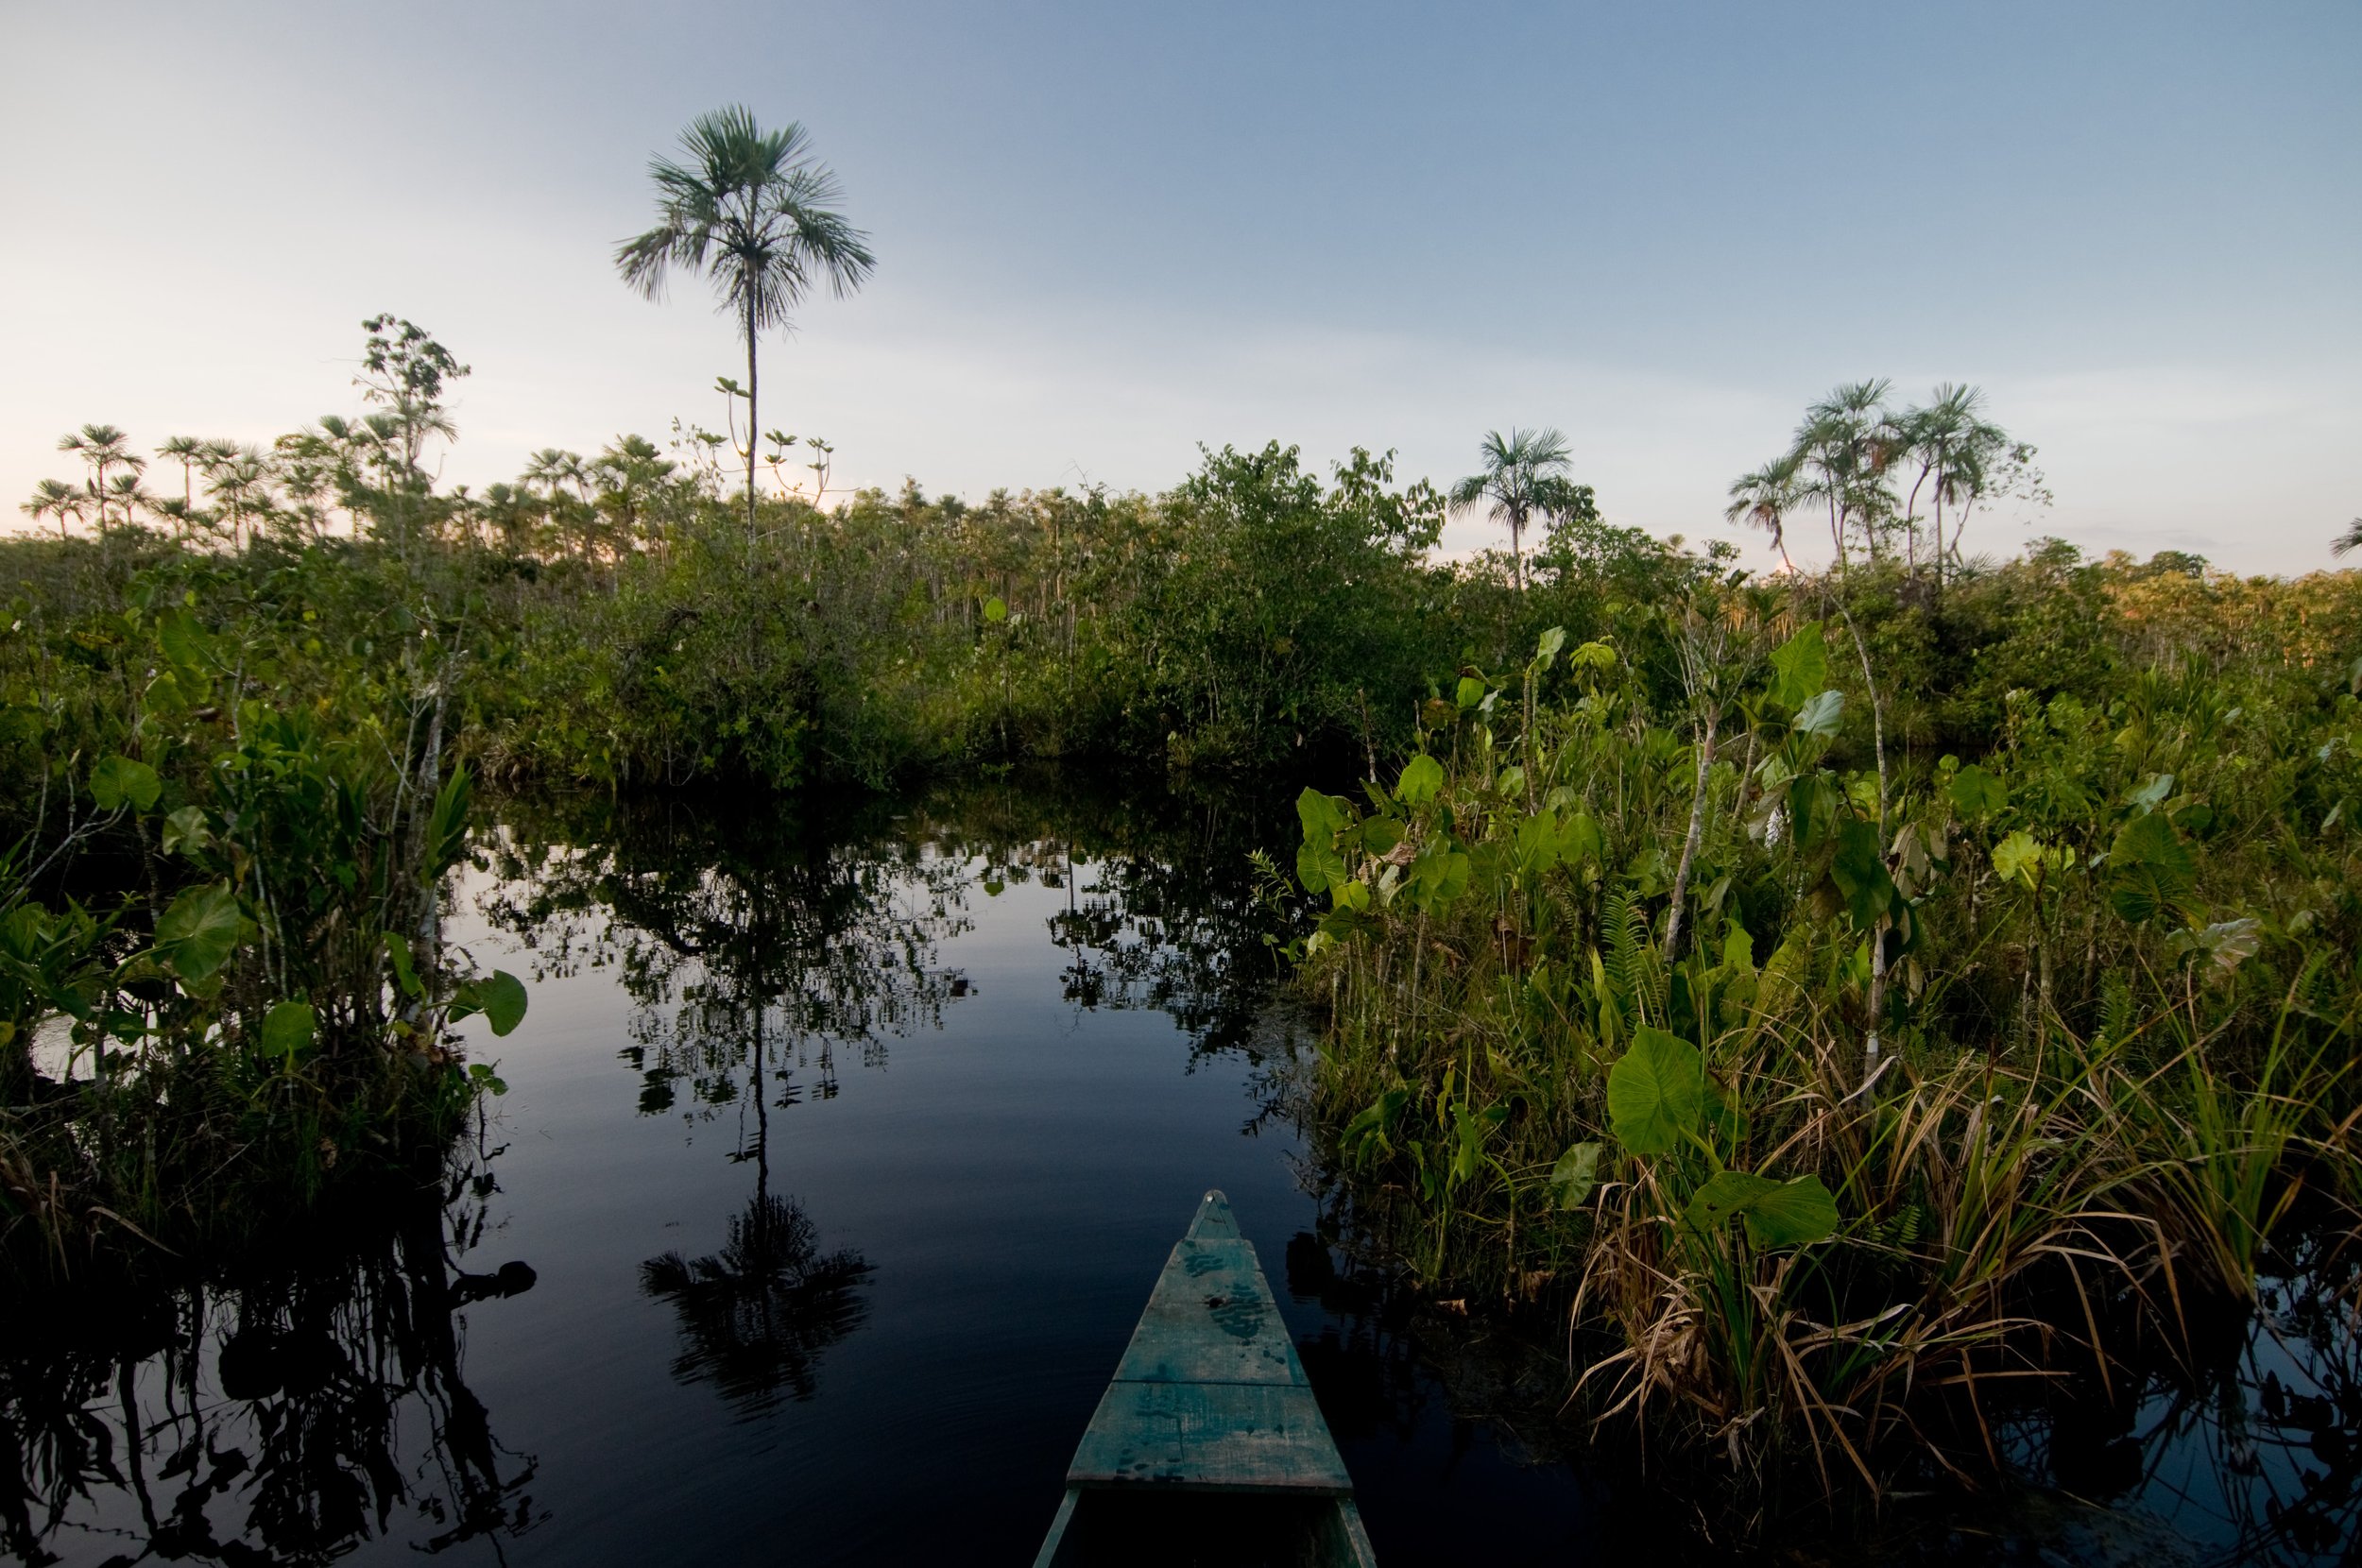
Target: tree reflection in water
[(756, 947), (756, 1316), (282, 1413)]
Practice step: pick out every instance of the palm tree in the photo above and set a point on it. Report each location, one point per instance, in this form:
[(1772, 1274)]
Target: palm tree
[(1933, 437), (239, 480), (103, 447), (552, 468), (2350, 540), (750, 210), (1843, 449), (1525, 472), (188, 451), (124, 490), (55, 498), (1764, 497)]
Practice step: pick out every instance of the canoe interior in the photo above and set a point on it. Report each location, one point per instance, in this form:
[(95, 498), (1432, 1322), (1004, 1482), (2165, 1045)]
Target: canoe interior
[(1152, 1527), (1209, 1446), (1209, 1395)]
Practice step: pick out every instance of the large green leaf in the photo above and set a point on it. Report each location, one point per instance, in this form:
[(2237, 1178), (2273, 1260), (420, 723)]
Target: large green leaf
[(1580, 841), (1539, 842), (1860, 873), (1422, 777), (406, 972), (1800, 668), (183, 641), (197, 935), (1575, 1175), (2150, 868), (287, 1028), (121, 781), (1319, 867), (1977, 794), (503, 997), (1778, 1214), (1657, 1092), (1812, 803), (2018, 858), (1823, 714)]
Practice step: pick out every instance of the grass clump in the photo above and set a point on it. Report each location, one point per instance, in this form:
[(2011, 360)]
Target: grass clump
[(1831, 1084)]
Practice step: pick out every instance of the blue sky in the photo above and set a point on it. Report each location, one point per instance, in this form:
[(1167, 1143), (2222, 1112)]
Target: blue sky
[(1109, 233)]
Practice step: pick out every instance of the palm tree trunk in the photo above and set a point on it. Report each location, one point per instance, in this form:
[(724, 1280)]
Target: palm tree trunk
[(752, 425), (1938, 539)]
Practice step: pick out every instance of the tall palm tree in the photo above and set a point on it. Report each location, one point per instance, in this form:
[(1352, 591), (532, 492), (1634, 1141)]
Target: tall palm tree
[(1764, 497), (55, 498), (188, 451), (2349, 541), (103, 447), (750, 210), (1525, 472), (1844, 447), (1933, 437), (238, 478), (124, 490)]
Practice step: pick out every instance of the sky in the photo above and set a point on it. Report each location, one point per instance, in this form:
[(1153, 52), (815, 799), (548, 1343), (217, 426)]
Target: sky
[(1107, 233)]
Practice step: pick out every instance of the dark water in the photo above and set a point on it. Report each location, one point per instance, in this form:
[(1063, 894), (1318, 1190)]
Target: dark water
[(837, 1160)]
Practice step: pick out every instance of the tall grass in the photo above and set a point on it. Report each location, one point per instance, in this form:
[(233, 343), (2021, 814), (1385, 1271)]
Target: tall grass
[(2110, 960)]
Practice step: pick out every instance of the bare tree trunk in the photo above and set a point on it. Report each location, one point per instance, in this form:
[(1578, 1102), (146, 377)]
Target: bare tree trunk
[(1689, 844), (1878, 931)]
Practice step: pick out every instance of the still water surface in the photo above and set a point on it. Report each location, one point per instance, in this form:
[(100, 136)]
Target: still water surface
[(837, 1160)]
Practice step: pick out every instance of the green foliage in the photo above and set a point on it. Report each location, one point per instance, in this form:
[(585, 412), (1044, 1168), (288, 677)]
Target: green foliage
[(2151, 871), (2106, 950), (1656, 1093), (1794, 1213)]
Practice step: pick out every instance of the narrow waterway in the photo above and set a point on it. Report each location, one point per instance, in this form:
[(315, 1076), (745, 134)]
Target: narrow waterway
[(837, 1157)]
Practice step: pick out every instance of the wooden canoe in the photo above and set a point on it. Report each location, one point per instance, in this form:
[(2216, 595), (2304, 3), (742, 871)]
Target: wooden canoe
[(1207, 1446)]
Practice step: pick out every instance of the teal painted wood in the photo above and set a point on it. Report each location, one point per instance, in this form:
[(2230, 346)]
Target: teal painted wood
[(1054, 1551), (1209, 1395), (1350, 1545), (1214, 1221), (1210, 1320), (1211, 1437)]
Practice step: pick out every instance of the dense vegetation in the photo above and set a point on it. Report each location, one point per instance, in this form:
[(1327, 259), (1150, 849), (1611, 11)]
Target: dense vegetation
[(1844, 995), (1830, 989)]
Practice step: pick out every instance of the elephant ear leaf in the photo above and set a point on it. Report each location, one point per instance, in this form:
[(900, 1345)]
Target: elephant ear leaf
[(119, 782), (1422, 777), (1977, 794), (1860, 873), (1778, 1214), (1575, 1175), (287, 1029), (499, 995), (2150, 868), (1800, 668), (197, 935), (503, 1001), (1821, 715), (1657, 1092)]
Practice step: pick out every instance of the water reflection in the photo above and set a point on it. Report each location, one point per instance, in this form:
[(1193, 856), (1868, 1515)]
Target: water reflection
[(2252, 1450), (282, 1413), (761, 961), (756, 1315), (815, 931)]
